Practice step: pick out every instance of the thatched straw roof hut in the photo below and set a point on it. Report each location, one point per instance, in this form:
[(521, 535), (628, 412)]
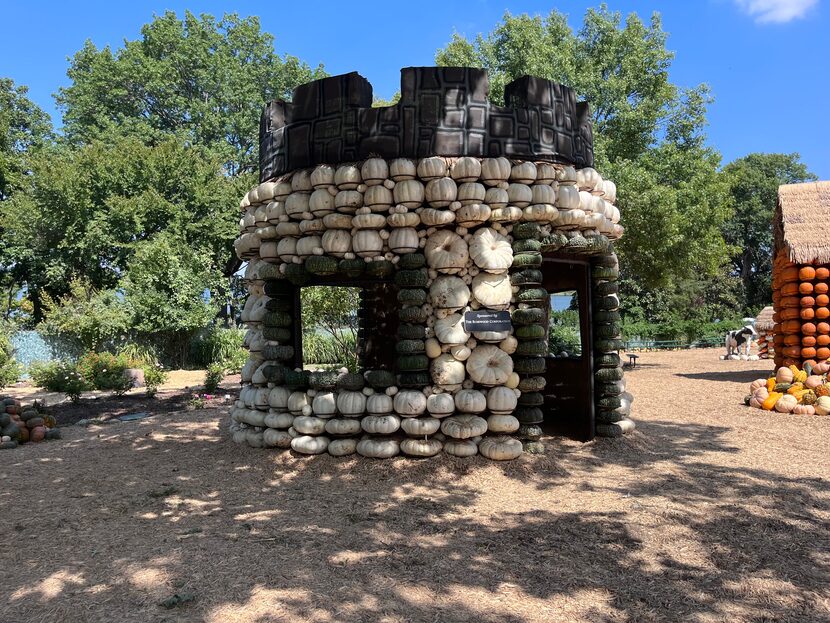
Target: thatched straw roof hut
[(800, 224), (764, 321)]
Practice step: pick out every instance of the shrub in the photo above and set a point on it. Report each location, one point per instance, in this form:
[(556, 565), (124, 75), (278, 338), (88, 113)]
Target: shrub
[(220, 346), (139, 352), (107, 372), (213, 376), (59, 376), (154, 376), (9, 368), (323, 349)]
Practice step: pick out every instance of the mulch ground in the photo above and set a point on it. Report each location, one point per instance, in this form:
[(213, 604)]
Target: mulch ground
[(709, 511)]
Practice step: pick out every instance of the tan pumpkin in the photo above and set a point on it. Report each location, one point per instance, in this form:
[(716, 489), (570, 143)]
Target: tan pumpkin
[(380, 424), (409, 193), (306, 444), (324, 404), (378, 198), (501, 401), (432, 348), (351, 403), (322, 176), (804, 410), (500, 448), (784, 375), (466, 169), (494, 171), (450, 330), (489, 365), (409, 403), (441, 192), (461, 448), (337, 242), (374, 171), (437, 218), (367, 243), (756, 384), (446, 251), (347, 177), (401, 169), (321, 203), (272, 438), (519, 195), (379, 404), (278, 398), (279, 420), (523, 173), (448, 292), (403, 240), (491, 251), (421, 447), (378, 448), (309, 425), (463, 426), (432, 168), (342, 447), (786, 403)]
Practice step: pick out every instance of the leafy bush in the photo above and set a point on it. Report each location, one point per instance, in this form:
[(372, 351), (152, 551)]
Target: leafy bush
[(106, 371), (564, 335), (59, 376), (144, 353), (154, 376), (324, 349), (9, 368), (213, 376), (220, 346)]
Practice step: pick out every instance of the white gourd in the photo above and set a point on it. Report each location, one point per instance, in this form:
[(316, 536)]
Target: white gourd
[(380, 424), (502, 423), (403, 240), (337, 242), (278, 420), (374, 171), (367, 243), (472, 215), (441, 192), (347, 177), (466, 169), (306, 444), (450, 330), (322, 176), (410, 403), (432, 168), (321, 203), (379, 404), (409, 193), (401, 169), (421, 447), (446, 251), (500, 448), (492, 291), (489, 365), (378, 198), (378, 448), (437, 218), (440, 405), (307, 244), (494, 171), (519, 195)]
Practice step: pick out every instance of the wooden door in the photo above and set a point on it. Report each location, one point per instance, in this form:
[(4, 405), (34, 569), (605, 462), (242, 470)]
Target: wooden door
[(569, 392)]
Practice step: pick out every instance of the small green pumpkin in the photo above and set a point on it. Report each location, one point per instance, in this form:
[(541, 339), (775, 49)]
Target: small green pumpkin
[(527, 260), (529, 415), (408, 347), (412, 315), (412, 261), (416, 278), (532, 384), (277, 319), (413, 363), (531, 332), (411, 331), (607, 331), (531, 399), (607, 360), (527, 277), (321, 265), (297, 274), (531, 315), (523, 246), (297, 379), (530, 432), (278, 288), (604, 288), (412, 296), (278, 353), (531, 295), (414, 379), (529, 365), (525, 231), (380, 379), (322, 379), (350, 381), (605, 272), (605, 375), (531, 347), (277, 334), (380, 268), (607, 346), (603, 317), (351, 268)]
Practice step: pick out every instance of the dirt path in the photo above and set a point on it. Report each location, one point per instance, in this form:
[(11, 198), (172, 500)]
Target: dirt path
[(710, 511)]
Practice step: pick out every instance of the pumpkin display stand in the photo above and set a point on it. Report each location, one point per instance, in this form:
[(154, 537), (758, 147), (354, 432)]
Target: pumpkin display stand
[(21, 423), (801, 275), (454, 217)]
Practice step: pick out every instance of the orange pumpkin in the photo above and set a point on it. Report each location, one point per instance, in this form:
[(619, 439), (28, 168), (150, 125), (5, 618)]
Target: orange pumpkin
[(789, 274), (808, 328), (791, 340), (807, 301), (822, 313), (823, 340), (805, 287), (807, 273), (790, 289), (822, 273), (791, 313), (808, 313), (38, 433), (822, 300), (823, 353), (807, 340), (821, 288), (791, 326), (791, 351), (808, 353), (823, 328)]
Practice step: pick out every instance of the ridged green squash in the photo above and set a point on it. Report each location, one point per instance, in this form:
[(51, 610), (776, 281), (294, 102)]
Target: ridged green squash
[(412, 296), (531, 332), (604, 288), (409, 347), (380, 268), (380, 379), (268, 271), (278, 353), (277, 319), (323, 379), (532, 384), (606, 303), (411, 261), (414, 379), (604, 272), (603, 317), (280, 303), (278, 288), (554, 242), (529, 415), (527, 316), (606, 375), (531, 432), (351, 268), (529, 365), (531, 295), (350, 382), (411, 331), (529, 348), (611, 388), (607, 331), (296, 379), (527, 277), (321, 265), (416, 278), (413, 363), (527, 260), (609, 402), (607, 261), (297, 274), (531, 399), (607, 346), (523, 246), (607, 360), (525, 231), (275, 374), (277, 334), (412, 315)]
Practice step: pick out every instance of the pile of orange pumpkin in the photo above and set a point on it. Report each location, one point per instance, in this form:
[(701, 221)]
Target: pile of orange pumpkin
[(793, 390), (21, 424)]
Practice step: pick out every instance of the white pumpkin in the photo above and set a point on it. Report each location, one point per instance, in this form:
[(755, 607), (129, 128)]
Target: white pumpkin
[(432, 168), (321, 203), (337, 242), (491, 336), (470, 401), (351, 403), (410, 403), (523, 172), (403, 240), (369, 221), (494, 171), (489, 365), (542, 212), (509, 214), (348, 201), (378, 448), (491, 251), (272, 438), (464, 426), (378, 198), (450, 330), (379, 404), (254, 438), (502, 424), (519, 195), (460, 352), (496, 198), (278, 419), (461, 448), (380, 424), (492, 291), (470, 193), (567, 198), (322, 176), (420, 426), (342, 447), (472, 215), (309, 425), (343, 426), (448, 292), (324, 404), (269, 250), (374, 171), (347, 177), (440, 405), (297, 401), (545, 173), (446, 251), (441, 192), (409, 193), (252, 417), (421, 447), (466, 169), (403, 219), (437, 218), (401, 169), (296, 204), (500, 448), (301, 180), (501, 400), (367, 243), (306, 444), (509, 344), (307, 244), (337, 221)]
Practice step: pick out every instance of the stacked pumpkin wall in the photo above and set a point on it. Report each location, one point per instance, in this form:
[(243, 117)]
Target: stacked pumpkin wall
[(801, 298), (427, 239)]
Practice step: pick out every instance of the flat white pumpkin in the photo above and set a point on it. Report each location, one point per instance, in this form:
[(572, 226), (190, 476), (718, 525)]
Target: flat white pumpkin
[(500, 448), (378, 448), (489, 365), (448, 292), (502, 424), (380, 424), (491, 251), (342, 447), (410, 403), (450, 330), (492, 291), (421, 447), (446, 251), (464, 426), (461, 448), (420, 426), (306, 444)]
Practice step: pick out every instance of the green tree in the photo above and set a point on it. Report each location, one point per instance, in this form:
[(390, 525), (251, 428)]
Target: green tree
[(198, 78), (753, 185), (23, 128), (648, 132), (330, 314)]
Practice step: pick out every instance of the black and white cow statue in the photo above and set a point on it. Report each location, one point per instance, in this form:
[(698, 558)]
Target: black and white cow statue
[(740, 339)]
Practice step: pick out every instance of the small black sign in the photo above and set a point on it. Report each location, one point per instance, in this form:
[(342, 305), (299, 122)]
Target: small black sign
[(486, 320)]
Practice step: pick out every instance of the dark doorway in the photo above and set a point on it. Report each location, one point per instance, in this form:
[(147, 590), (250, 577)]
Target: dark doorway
[(569, 392)]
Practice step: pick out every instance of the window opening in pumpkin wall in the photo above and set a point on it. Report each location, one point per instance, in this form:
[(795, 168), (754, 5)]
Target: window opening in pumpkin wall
[(564, 335), (330, 327)]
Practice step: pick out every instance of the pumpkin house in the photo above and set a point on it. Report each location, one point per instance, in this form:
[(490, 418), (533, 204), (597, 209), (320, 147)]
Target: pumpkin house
[(469, 228), (764, 326), (801, 274)]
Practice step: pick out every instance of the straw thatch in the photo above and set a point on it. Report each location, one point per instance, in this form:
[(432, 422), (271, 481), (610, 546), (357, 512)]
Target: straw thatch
[(801, 221), (764, 321)]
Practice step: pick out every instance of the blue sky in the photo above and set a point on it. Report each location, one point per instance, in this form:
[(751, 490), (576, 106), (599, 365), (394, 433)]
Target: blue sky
[(765, 60)]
